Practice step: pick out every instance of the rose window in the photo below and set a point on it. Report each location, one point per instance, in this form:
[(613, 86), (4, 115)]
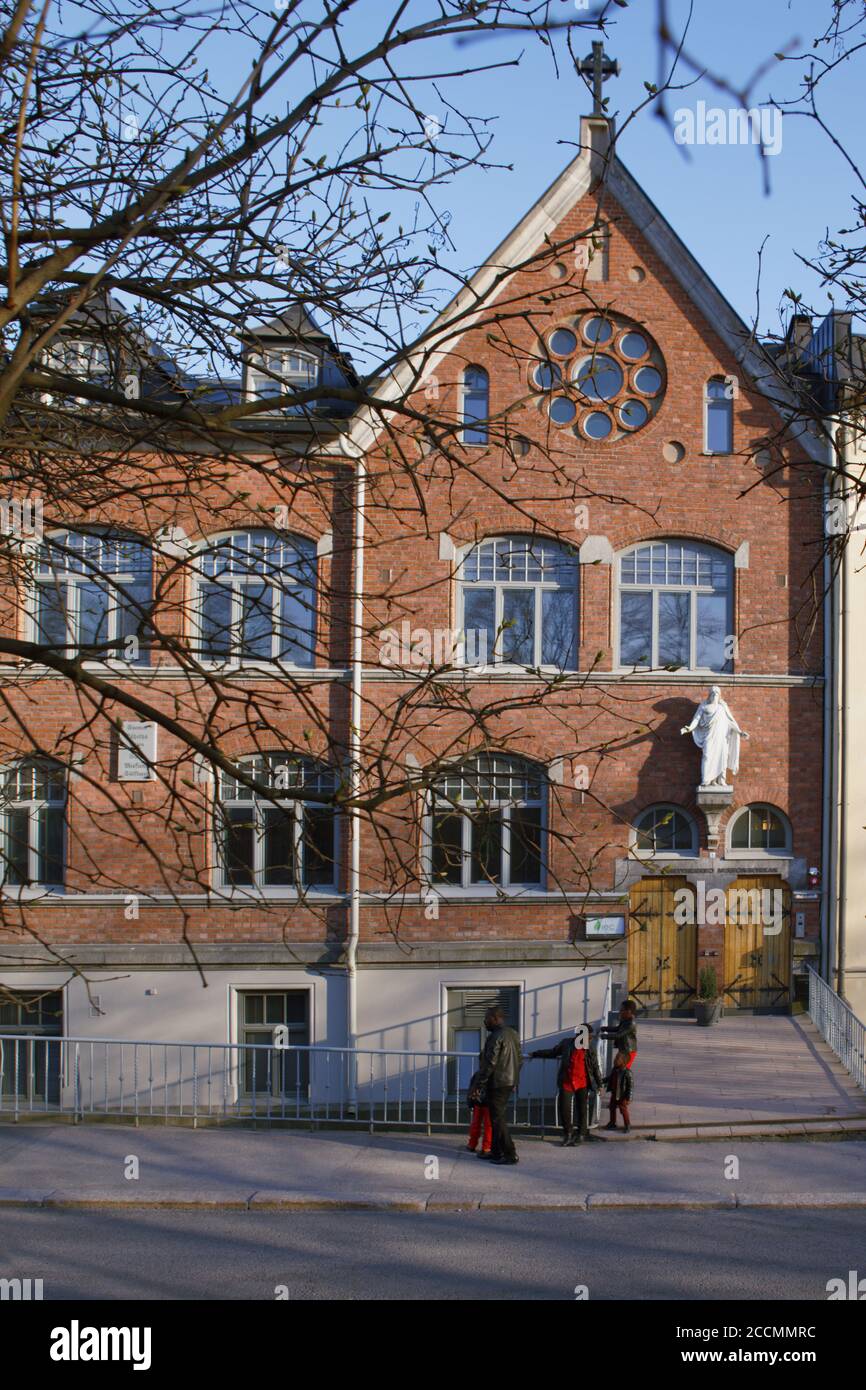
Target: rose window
[(601, 375)]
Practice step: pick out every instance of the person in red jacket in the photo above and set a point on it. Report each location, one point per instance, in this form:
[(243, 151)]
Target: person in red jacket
[(481, 1125), (578, 1075)]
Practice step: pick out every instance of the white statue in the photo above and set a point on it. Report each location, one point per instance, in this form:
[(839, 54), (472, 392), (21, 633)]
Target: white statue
[(717, 734)]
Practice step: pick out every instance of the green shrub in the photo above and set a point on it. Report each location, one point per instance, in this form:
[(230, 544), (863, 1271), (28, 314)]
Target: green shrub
[(708, 986)]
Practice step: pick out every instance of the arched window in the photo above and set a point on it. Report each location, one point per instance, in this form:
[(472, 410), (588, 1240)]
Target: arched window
[(476, 405), (518, 603), (256, 599), (34, 824), (675, 606), (759, 830), (93, 595), (288, 844), (664, 830), (487, 824), (719, 415)]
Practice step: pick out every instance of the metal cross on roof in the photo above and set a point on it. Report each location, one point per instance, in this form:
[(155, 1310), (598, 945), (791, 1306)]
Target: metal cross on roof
[(595, 69)]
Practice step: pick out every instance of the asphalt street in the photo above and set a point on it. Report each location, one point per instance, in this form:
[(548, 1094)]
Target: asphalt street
[(232, 1255)]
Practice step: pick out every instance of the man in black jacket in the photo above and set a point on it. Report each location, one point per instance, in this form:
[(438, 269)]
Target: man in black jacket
[(500, 1072), (578, 1074)]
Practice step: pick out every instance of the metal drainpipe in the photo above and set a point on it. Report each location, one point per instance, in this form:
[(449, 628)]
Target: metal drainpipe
[(844, 817), (829, 838), (355, 717)]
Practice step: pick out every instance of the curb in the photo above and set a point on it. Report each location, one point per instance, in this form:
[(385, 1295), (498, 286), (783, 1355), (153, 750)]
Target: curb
[(408, 1202), (790, 1129)]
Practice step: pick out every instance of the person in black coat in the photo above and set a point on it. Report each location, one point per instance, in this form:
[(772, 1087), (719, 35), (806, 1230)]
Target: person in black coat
[(577, 1076)]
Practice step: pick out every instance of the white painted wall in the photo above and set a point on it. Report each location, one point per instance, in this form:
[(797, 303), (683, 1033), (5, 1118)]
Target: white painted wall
[(399, 1009)]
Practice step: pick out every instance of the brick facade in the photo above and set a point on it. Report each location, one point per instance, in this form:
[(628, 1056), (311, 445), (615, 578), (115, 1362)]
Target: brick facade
[(623, 730)]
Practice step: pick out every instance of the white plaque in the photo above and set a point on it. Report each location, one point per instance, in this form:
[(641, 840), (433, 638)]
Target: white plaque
[(136, 748), (605, 926)]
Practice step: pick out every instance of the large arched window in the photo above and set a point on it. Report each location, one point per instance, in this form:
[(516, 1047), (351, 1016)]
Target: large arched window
[(719, 415), (675, 606), (759, 830), (33, 824), (256, 599), (662, 830), (487, 824), (93, 595), (475, 393), (518, 603), (288, 844)]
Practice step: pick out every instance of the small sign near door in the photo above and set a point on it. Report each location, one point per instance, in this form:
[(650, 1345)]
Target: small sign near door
[(605, 926)]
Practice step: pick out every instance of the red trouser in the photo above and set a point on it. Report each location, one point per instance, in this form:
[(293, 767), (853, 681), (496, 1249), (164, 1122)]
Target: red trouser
[(481, 1113), (622, 1107)]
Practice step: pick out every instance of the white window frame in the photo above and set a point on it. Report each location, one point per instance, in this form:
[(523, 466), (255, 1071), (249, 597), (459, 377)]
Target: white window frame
[(76, 357), (72, 581), (267, 378), (690, 853), (259, 805), (279, 580), (718, 453), (770, 854), (466, 887), (648, 586), (33, 805), (500, 586), (484, 422)]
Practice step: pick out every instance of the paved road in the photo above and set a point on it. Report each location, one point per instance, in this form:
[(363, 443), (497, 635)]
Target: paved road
[(448, 1256)]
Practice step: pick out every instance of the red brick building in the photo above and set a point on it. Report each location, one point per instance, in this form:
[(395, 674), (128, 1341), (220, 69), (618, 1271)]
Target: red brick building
[(616, 523)]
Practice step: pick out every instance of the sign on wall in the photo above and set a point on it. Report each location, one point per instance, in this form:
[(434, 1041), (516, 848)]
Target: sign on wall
[(606, 926), (136, 749)]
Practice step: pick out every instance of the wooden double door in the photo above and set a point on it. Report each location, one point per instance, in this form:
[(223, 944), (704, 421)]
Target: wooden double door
[(662, 944), (758, 949), (756, 966)]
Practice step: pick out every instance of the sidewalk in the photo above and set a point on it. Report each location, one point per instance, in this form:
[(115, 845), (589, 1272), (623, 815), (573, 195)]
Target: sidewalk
[(761, 1072), (63, 1166)]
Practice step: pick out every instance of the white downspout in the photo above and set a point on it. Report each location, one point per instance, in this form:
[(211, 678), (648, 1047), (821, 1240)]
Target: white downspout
[(833, 678), (355, 718)]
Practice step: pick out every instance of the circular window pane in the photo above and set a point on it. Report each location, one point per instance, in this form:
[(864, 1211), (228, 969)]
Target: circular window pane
[(546, 375), (633, 346), (599, 377), (519, 446), (633, 414), (648, 380), (597, 329), (562, 410), (597, 425), (562, 342)]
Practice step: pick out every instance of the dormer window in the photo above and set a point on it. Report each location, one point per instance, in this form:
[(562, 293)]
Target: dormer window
[(280, 372), (82, 358)]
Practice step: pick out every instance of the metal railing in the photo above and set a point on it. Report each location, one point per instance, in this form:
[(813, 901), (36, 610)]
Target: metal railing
[(838, 1025), (85, 1078)]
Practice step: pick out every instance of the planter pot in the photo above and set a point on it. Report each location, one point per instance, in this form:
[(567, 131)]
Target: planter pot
[(707, 1012)]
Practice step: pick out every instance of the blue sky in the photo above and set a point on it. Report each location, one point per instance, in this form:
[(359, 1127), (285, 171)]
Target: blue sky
[(715, 200)]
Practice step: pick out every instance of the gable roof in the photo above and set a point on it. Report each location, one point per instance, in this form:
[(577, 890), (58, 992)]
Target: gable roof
[(596, 166)]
